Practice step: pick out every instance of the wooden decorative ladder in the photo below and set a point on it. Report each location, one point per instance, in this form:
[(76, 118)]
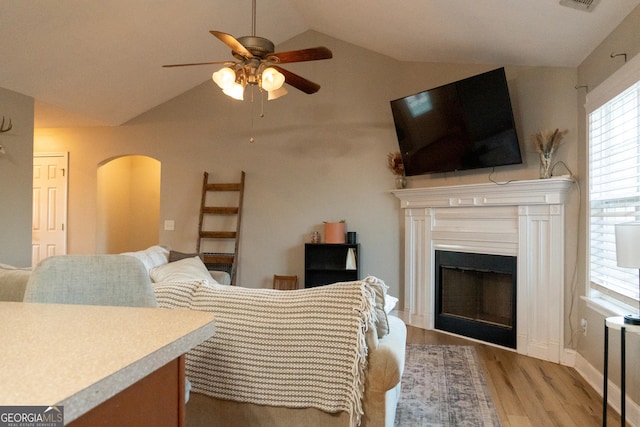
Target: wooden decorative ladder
[(221, 211)]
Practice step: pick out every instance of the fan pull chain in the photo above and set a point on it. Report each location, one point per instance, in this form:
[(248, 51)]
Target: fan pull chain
[(252, 139)]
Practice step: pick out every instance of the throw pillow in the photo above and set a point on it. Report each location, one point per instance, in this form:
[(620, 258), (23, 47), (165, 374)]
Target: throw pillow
[(380, 290), (185, 270), (177, 256), (152, 256), (389, 303), (221, 277)]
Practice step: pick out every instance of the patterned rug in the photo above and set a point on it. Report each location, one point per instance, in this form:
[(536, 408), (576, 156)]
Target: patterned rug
[(443, 385)]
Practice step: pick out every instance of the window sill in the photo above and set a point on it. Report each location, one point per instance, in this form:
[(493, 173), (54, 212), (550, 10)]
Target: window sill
[(607, 307)]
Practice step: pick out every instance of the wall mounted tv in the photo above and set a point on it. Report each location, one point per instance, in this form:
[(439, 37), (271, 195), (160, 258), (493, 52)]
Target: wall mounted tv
[(467, 124)]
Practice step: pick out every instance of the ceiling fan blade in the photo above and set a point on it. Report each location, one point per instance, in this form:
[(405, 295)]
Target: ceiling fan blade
[(231, 41), (198, 63), (300, 83), (311, 54)]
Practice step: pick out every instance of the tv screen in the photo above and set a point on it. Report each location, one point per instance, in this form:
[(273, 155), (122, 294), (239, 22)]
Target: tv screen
[(467, 124)]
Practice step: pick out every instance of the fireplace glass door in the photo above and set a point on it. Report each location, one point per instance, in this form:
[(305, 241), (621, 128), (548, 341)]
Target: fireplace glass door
[(476, 296)]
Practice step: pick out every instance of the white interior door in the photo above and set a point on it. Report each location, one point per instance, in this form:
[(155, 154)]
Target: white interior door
[(49, 234)]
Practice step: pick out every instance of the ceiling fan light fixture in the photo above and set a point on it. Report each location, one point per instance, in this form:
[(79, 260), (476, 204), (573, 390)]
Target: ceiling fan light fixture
[(235, 91), (272, 79), (277, 93), (259, 65), (225, 77)]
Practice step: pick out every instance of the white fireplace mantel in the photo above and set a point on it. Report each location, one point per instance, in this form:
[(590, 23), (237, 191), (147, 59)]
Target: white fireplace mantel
[(520, 218)]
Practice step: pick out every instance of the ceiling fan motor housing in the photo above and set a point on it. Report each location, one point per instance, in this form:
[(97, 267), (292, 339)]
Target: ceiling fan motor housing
[(258, 46)]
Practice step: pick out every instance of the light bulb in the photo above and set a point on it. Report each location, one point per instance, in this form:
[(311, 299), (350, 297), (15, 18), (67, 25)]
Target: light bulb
[(224, 77), (272, 79)]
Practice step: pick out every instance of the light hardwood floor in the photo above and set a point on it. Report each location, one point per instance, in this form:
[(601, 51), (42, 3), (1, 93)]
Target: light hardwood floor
[(528, 391)]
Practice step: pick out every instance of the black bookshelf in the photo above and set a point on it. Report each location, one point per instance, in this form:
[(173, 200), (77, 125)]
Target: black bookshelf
[(325, 263)]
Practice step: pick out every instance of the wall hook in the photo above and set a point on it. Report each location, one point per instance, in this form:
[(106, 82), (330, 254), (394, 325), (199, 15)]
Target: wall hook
[(582, 86), (8, 128), (613, 55)]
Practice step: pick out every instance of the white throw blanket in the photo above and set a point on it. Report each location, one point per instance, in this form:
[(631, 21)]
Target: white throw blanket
[(297, 349)]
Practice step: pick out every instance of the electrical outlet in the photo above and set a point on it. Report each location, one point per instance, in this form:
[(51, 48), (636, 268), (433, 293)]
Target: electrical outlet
[(583, 326)]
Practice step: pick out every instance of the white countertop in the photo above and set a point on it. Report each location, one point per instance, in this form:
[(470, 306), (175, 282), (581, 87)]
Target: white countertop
[(79, 356)]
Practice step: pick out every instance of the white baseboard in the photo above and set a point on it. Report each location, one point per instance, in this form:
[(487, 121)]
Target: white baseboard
[(568, 357), (596, 379), (413, 320)]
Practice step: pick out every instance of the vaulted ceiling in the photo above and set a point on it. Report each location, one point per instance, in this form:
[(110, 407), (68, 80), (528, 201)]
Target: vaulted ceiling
[(99, 62)]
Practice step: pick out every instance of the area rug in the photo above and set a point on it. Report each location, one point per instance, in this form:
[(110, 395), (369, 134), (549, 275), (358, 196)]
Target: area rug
[(443, 385)]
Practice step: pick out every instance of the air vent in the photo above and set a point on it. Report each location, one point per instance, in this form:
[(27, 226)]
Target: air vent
[(585, 5)]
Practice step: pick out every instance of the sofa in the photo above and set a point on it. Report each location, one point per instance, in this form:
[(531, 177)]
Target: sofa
[(383, 337), (381, 394), (161, 263)]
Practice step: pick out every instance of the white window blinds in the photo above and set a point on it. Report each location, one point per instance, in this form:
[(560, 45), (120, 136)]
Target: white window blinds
[(614, 188)]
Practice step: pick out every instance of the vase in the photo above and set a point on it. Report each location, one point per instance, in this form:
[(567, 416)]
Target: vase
[(334, 232), (401, 182), (545, 165)]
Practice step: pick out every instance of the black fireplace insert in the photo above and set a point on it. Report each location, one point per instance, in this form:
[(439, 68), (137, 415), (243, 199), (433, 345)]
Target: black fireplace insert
[(476, 296)]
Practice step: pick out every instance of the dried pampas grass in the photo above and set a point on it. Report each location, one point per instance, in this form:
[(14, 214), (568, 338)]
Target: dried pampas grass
[(546, 143)]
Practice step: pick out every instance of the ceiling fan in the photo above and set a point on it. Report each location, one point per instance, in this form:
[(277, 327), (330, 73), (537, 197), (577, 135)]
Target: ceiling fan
[(258, 64)]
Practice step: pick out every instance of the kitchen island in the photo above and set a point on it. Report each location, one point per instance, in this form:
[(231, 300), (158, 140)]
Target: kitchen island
[(104, 365)]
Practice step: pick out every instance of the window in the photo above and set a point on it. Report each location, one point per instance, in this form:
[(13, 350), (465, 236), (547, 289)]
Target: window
[(614, 179)]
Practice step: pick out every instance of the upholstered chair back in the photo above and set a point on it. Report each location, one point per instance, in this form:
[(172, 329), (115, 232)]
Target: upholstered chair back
[(115, 280)]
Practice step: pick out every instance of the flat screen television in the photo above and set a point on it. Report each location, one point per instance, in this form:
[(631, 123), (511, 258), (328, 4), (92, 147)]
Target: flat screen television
[(467, 124)]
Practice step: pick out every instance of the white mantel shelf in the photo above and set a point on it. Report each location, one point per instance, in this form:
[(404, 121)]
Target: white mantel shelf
[(526, 192), (520, 218)]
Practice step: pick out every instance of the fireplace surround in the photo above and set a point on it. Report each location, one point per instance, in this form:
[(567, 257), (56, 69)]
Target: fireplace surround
[(524, 219)]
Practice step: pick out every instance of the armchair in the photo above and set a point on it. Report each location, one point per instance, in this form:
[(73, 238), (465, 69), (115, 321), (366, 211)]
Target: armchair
[(115, 280)]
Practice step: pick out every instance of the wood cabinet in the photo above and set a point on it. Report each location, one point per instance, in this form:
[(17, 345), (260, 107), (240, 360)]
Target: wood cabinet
[(326, 263), (156, 400)]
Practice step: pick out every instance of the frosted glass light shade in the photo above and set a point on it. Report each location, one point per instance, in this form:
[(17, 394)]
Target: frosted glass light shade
[(275, 94), (235, 91), (272, 79), (224, 77), (628, 244)]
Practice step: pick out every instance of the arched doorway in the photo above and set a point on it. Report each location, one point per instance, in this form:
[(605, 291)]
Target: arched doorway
[(128, 204)]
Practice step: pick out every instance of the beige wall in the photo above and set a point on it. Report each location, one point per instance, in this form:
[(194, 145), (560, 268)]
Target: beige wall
[(16, 179), (596, 68), (128, 204), (315, 157)]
